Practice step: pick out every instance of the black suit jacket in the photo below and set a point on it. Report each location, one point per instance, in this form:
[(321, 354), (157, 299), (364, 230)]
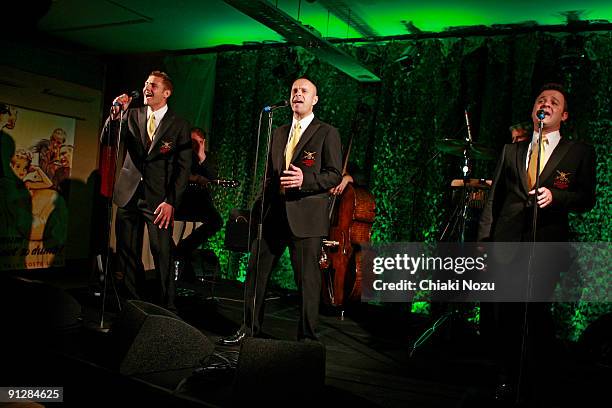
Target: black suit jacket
[(569, 174), (163, 166), (319, 155)]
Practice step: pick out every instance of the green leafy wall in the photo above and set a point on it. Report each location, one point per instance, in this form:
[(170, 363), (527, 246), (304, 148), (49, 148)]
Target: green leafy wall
[(395, 124)]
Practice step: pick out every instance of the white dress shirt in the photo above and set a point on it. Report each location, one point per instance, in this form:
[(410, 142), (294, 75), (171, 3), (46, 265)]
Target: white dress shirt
[(552, 138)]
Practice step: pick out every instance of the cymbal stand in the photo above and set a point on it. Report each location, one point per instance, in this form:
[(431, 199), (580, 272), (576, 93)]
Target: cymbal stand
[(455, 226), (460, 213), (458, 218)]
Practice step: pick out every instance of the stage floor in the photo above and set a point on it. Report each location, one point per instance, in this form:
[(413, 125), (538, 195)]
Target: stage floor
[(370, 359)]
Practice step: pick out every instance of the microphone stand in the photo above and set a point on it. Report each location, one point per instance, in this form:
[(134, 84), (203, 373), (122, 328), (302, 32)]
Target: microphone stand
[(530, 275), (110, 221), (255, 269)]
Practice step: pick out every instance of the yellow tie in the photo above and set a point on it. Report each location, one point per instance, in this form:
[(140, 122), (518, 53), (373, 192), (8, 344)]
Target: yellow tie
[(293, 141), (151, 126), (531, 170)]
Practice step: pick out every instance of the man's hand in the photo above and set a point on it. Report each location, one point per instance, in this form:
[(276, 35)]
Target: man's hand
[(339, 189), (293, 177), (544, 198), (124, 101), (165, 215)]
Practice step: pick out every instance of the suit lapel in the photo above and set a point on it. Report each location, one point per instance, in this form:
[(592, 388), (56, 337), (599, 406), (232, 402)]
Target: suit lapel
[(278, 147), (521, 159), (556, 156), (142, 125), (165, 124), (310, 130)]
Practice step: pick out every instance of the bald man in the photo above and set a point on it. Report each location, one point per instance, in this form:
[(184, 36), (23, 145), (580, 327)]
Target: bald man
[(304, 163)]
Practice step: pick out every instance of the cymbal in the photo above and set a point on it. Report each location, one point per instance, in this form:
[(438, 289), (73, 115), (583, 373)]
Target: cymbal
[(457, 146)]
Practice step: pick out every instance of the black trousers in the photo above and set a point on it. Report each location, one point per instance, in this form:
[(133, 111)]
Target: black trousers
[(129, 230), (211, 224), (304, 254), (506, 332), (183, 252)]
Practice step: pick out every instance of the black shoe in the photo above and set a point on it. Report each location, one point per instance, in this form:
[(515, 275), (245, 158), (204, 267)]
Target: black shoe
[(233, 340)]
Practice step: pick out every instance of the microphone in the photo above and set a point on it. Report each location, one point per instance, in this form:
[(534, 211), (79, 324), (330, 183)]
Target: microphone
[(134, 94), (280, 104), (541, 114)]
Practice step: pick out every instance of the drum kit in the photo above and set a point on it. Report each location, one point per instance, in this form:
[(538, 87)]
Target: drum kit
[(469, 196), (468, 193)]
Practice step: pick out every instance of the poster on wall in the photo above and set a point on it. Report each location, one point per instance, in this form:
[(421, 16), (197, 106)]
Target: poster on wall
[(35, 163)]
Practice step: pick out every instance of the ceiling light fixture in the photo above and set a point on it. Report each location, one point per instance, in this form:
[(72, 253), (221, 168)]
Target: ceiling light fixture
[(299, 34)]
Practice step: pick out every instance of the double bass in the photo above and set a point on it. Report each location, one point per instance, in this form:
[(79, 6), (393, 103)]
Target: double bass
[(351, 218)]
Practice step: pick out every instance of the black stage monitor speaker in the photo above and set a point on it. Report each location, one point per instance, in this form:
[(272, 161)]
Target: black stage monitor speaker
[(151, 339), (35, 306), (275, 369)]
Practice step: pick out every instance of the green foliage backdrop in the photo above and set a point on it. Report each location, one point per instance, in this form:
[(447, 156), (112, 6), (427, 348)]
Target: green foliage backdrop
[(395, 123)]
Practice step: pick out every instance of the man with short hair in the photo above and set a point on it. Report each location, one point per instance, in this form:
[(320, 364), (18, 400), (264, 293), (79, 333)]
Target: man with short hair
[(49, 151), (150, 185), (567, 179), (304, 163), (523, 335), (520, 132)]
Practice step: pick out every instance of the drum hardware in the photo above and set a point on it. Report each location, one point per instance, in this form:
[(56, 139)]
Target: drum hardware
[(473, 191)]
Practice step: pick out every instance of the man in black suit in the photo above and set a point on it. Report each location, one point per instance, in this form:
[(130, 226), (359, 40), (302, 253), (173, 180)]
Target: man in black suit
[(567, 180), (567, 184), (150, 185), (303, 165)]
